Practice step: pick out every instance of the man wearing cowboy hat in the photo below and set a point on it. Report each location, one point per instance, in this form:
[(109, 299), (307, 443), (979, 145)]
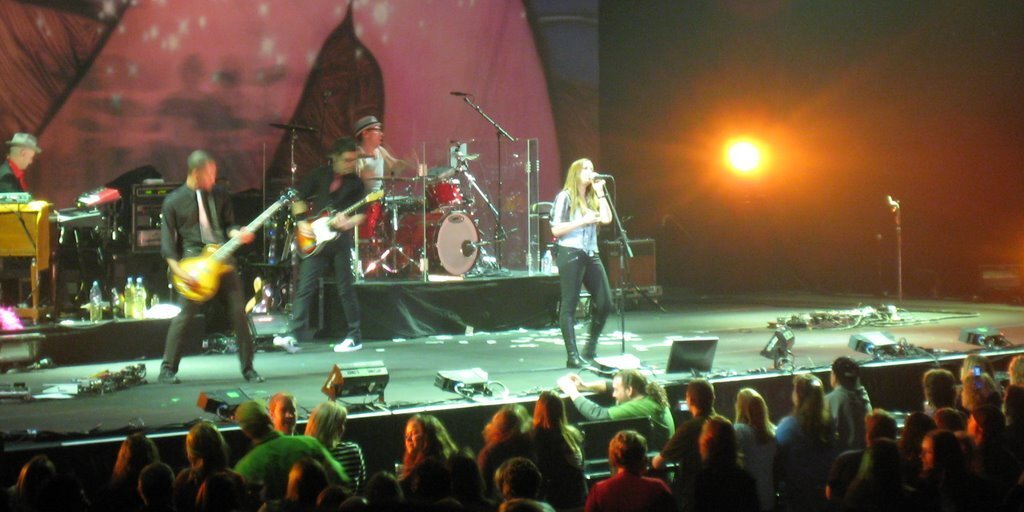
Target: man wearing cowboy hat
[(376, 162), (22, 150)]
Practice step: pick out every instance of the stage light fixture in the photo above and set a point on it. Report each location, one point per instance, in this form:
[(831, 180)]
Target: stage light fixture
[(222, 402), (876, 344), (780, 348), (357, 379), (987, 337)]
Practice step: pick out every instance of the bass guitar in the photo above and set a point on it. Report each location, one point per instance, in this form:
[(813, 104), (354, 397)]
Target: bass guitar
[(207, 268), (323, 232)]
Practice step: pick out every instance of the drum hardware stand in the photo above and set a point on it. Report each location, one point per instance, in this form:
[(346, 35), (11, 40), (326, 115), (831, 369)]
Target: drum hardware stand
[(499, 132), (489, 263)]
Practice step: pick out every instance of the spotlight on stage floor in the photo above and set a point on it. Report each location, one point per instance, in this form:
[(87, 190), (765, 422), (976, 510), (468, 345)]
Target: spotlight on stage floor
[(468, 383), (876, 344), (987, 337), (780, 348), (222, 402), (365, 378)]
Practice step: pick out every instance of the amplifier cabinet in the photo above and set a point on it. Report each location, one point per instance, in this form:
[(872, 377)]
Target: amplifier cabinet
[(641, 267), (147, 201)]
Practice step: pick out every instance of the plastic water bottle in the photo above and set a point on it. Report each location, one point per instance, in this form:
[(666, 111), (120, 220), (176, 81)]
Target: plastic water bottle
[(95, 302), (129, 299), (116, 303), (140, 299), (546, 263)]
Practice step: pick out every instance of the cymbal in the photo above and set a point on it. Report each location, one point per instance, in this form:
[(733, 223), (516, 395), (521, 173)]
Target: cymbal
[(393, 178), (294, 127)]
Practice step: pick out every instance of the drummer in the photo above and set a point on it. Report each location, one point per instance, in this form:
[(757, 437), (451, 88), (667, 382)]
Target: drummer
[(375, 162)]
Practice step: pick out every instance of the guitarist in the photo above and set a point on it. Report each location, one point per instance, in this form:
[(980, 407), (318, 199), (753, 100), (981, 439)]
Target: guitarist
[(336, 187), (194, 215)]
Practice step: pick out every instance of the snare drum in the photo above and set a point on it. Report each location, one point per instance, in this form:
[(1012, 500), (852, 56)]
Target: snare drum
[(451, 240)]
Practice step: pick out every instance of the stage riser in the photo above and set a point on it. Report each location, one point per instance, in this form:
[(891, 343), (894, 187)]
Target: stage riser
[(894, 387)]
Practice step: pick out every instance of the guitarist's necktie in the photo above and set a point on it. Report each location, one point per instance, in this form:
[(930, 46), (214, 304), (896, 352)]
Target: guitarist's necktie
[(336, 183), (208, 225)]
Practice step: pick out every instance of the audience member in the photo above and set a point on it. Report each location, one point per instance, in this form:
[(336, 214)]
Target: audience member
[(468, 484), (915, 427), (426, 438), (282, 408), (1013, 408), (992, 459), (755, 438), (634, 395), (722, 485), (559, 456), (327, 425), (156, 482), (332, 497), (806, 447), (518, 478), (628, 490), (207, 454), (979, 390), (64, 493), (939, 387), (879, 424), (1016, 370), (848, 403), (270, 461), (525, 505), (429, 483), (976, 364), (507, 435), (219, 493), (383, 490), (946, 482), (136, 452), (683, 447), (951, 419), (33, 477), (306, 480), (879, 484)]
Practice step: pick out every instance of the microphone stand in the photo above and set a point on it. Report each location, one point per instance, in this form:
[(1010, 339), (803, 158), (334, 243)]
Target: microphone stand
[(462, 167), (897, 211), (499, 133), (626, 252)]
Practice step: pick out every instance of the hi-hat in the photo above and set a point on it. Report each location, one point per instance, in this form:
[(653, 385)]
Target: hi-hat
[(295, 127), (470, 157)]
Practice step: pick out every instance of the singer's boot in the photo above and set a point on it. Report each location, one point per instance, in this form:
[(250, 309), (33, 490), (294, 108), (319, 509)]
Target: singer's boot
[(573, 360), (590, 350)]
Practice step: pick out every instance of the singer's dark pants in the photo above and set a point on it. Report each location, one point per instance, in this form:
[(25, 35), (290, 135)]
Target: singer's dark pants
[(338, 253), (230, 290), (577, 269)]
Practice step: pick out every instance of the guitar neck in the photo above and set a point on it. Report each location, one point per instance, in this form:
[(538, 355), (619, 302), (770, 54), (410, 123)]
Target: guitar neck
[(232, 245)]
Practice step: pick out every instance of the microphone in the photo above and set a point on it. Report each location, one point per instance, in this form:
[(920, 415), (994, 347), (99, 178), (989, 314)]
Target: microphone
[(894, 204), (603, 177), (469, 247), (457, 93)]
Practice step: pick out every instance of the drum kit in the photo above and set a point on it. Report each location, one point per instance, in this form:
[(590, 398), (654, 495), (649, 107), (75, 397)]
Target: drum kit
[(433, 232)]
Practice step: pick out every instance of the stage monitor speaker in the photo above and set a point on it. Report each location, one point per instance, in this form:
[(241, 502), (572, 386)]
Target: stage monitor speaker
[(356, 379), (693, 355), (874, 343), (268, 325), (988, 337), (222, 402)]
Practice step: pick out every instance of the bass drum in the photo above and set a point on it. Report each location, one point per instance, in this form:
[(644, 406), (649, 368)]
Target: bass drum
[(451, 240)]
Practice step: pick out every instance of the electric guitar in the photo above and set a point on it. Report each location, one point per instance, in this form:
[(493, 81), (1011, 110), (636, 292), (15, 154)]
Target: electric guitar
[(207, 268), (323, 232)]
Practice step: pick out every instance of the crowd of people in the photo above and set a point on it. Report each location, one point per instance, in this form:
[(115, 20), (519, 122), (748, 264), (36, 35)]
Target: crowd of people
[(832, 451)]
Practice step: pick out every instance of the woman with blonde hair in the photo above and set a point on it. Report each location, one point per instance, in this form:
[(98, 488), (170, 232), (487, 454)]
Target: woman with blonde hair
[(579, 208), (327, 424), (755, 437), (806, 446), (559, 455)]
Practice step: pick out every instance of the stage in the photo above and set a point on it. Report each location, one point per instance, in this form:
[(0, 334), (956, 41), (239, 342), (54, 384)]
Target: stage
[(523, 360)]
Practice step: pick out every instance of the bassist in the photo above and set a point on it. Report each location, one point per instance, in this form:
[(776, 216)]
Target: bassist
[(195, 215), (333, 187)]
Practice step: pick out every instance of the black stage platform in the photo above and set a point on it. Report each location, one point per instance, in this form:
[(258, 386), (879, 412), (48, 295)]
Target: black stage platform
[(85, 430)]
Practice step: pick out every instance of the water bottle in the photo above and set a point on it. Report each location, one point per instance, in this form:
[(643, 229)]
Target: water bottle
[(545, 262), (129, 299), (95, 302), (116, 303), (140, 299)]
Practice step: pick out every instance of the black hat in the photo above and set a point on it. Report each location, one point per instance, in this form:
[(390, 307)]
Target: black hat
[(847, 370)]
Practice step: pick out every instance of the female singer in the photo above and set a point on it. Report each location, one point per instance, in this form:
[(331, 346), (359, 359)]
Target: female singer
[(579, 207)]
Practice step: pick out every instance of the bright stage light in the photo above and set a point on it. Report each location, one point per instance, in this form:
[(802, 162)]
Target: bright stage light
[(743, 156)]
